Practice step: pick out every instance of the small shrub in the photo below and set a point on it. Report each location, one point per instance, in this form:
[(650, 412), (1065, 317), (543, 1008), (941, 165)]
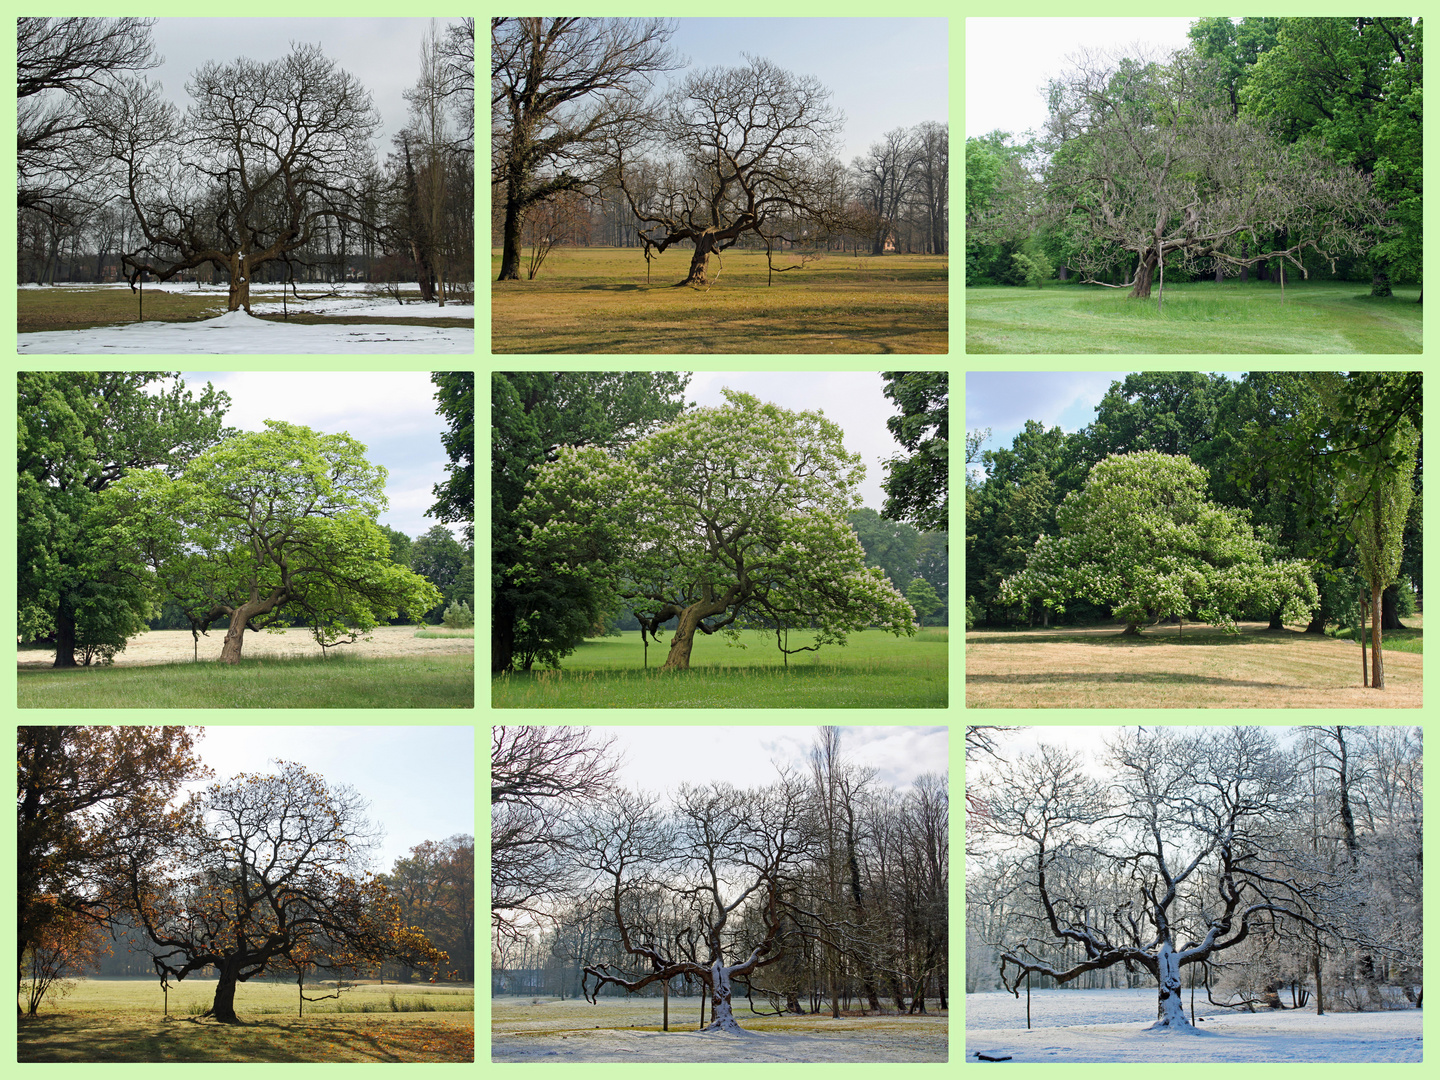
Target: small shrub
[(458, 616)]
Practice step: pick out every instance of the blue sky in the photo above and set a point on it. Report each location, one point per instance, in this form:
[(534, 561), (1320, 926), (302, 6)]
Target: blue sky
[(391, 412), (1003, 400), (419, 781), (857, 59)]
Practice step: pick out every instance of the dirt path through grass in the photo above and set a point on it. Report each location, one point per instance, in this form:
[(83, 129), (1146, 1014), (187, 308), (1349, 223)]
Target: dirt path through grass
[(1096, 668)]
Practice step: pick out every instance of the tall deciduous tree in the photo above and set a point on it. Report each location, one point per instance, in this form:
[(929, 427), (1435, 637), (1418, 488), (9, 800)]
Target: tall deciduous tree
[(262, 869), (538, 615), (1382, 504), (558, 88), (1142, 537), (265, 526), (79, 433), (732, 517), (82, 792), (738, 150), (267, 156), (1141, 169), (434, 884), (455, 498), (918, 487)]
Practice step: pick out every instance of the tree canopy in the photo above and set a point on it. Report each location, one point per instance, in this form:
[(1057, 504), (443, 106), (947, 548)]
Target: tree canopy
[(455, 498), (917, 488), (269, 524), (80, 433), (1141, 537), (732, 517)]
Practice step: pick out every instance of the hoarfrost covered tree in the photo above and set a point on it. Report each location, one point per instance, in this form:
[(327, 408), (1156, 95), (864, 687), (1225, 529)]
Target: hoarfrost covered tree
[(1191, 824), (721, 851)]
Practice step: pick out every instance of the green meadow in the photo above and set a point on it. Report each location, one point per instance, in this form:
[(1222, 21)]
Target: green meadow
[(874, 670), (1196, 317), (599, 300), (338, 681)]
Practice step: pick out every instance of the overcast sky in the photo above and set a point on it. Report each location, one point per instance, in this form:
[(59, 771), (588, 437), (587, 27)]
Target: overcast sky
[(1003, 400), (857, 59), (659, 759), (1009, 61), (854, 400), (419, 781), (391, 412), (384, 54)]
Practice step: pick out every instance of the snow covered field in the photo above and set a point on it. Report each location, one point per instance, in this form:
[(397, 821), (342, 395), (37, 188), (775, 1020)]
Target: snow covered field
[(237, 333), (1109, 1026), (568, 1031)]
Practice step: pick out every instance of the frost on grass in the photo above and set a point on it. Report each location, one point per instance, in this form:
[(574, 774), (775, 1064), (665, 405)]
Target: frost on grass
[(1101, 1026), (575, 1031)]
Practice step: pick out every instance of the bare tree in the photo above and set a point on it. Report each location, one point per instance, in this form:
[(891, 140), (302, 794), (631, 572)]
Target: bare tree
[(886, 175), (558, 89), (739, 150), (724, 853), (267, 157), (537, 776), (932, 150), (1138, 166), (64, 67), (1192, 821)]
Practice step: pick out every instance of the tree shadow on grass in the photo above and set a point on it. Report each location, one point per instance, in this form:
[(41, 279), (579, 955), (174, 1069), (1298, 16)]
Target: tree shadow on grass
[(1114, 638)]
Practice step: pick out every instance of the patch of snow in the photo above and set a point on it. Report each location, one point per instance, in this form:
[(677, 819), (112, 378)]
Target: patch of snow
[(235, 332), (1115, 1026)]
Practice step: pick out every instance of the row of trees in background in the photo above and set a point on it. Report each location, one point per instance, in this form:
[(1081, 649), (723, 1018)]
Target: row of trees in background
[(264, 873), (270, 174), (826, 890), (1267, 142), (1324, 466), (1219, 859), (737, 156)]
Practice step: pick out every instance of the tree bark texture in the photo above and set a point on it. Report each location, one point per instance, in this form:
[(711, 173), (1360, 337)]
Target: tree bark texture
[(65, 637), (223, 1007), (1377, 656)]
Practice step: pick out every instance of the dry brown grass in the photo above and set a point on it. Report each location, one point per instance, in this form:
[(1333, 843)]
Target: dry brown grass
[(1097, 668)]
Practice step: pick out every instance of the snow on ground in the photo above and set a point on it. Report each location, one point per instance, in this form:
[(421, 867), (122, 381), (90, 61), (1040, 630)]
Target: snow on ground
[(571, 1031), (349, 298), (1109, 1026), (236, 332)]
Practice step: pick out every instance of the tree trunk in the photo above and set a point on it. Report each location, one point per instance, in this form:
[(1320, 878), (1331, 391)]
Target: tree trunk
[(502, 635), (239, 284), (223, 1007), (240, 618), (1316, 624), (721, 1016), (1276, 623), (1144, 274), (1171, 1013), (514, 213), (1390, 609), (704, 246), (65, 638), (684, 639), (1377, 657), (1131, 630)]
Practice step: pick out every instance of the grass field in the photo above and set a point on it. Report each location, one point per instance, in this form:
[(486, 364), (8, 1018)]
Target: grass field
[(874, 671), (596, 300), (73, 308), (630, 1030), (1199, 668), (1198, 317), (120, 1020), (340, 681)]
